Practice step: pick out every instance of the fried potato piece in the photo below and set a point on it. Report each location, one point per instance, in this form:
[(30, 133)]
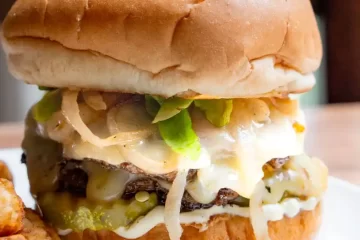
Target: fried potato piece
[(5, 172), (11, 209), (36, 229), (14, 237)]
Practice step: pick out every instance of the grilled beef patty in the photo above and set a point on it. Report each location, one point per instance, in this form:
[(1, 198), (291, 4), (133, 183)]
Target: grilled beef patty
[(73, 178)]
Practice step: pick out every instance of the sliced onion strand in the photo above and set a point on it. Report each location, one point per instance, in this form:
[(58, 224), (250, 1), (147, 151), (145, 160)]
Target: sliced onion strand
[(257, 216), (173, 205)]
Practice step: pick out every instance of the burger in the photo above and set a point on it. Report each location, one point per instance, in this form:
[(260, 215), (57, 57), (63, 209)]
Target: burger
[(169, 119)]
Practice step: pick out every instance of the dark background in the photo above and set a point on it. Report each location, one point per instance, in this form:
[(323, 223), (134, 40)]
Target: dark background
[(342, 21)]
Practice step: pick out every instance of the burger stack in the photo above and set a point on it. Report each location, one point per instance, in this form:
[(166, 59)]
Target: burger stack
[(169, 119)]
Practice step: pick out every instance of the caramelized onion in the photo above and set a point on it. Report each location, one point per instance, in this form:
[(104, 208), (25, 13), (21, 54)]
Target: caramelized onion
[(71, 111), (314, 172), (130, 155), (259, 109), (304, 176), (149, 165), (58, 129), (94, 100), (173, 204), (129, 117), (286, 106)]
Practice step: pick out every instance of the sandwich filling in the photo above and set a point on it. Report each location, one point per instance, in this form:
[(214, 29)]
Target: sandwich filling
[(105, 160)]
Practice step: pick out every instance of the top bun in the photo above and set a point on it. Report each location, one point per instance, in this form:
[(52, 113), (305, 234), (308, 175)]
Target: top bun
[(191, 48)]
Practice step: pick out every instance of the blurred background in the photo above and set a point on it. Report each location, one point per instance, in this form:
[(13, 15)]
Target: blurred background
[(338, 79)]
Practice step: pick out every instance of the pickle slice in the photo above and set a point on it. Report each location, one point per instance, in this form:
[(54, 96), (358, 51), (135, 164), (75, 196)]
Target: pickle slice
[(137, 208), (67, 212), (47, 106)]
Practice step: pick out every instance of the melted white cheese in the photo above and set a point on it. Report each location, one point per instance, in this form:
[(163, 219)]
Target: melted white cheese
[(273, 212), (289, 208), (239, 150)]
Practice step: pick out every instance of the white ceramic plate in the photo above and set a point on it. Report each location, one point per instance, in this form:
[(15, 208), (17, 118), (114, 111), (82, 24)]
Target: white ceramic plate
[(341, 205)]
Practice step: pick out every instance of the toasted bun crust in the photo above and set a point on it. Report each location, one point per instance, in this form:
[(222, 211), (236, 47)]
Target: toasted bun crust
[(223, 227), (181, 47)]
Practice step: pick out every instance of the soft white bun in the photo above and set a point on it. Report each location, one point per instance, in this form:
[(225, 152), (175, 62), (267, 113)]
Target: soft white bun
[(181, 47)]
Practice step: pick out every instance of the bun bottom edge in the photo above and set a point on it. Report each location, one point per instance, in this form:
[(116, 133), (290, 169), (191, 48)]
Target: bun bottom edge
[(304, 226)]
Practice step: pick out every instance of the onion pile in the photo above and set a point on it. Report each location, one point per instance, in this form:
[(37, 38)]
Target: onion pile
[(126, 123), (133, 119), (71, 111)]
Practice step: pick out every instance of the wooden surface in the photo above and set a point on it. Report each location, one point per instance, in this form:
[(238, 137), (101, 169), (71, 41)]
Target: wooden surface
[(11, 135), (333, 134)]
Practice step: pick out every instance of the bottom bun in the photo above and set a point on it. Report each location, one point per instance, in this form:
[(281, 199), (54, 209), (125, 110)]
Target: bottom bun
[(225, 227)]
